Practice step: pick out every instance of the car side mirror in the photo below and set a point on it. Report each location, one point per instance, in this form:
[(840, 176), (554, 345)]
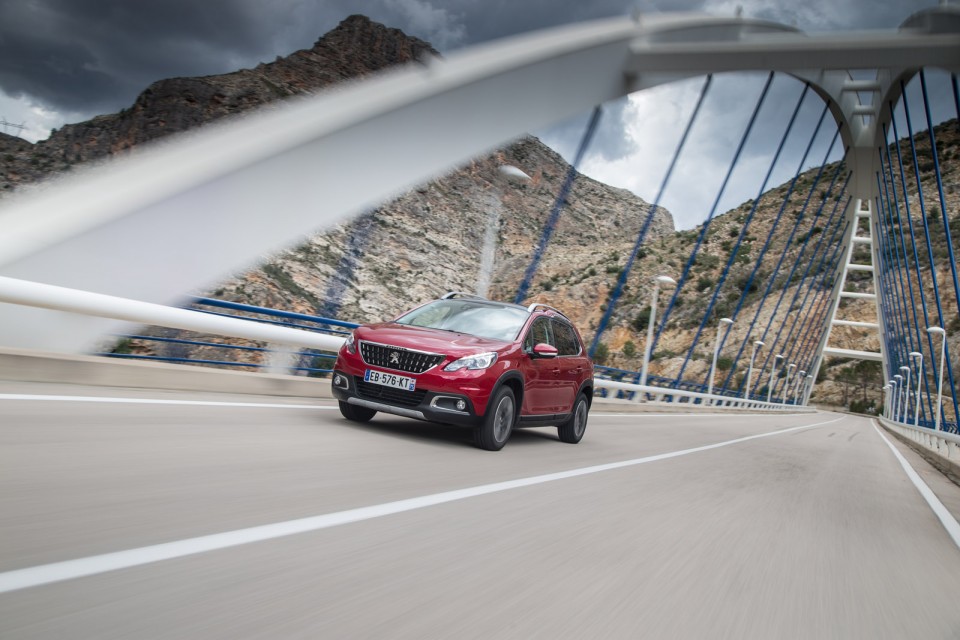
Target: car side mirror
[(544, 350)]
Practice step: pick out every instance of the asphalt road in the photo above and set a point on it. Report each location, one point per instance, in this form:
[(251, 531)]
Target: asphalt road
[(202, 516)]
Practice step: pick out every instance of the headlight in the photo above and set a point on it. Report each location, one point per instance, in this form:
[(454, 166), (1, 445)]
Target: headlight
[(479, 361), (349, 345)]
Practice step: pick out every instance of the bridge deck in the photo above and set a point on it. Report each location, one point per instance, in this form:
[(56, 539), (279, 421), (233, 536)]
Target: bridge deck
[(759, 526)]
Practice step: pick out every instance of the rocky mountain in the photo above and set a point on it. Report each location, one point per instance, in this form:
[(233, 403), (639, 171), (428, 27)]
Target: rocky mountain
[(474, 229)]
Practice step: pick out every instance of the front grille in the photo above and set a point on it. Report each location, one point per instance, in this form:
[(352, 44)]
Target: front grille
[(389, 395), (398, 358)]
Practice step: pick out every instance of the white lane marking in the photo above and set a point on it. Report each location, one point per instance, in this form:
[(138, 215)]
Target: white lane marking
[(694, 415), (69, 569), (943, 514), (203, 403)]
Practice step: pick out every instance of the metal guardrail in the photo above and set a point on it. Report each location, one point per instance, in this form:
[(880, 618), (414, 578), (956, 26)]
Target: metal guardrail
[(275, 333), (626, 386), (942, 444), (307, 361)]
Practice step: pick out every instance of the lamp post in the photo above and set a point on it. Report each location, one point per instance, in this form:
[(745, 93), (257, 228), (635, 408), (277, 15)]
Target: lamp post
[(756, 347), (508, 173), (664, 280), (886, 399), (943, 351), (724, 322), (916, 408), (773, 372), (786, 383), (906, 396), (796, 388), (893, 397), (809, 391), (898, 399)]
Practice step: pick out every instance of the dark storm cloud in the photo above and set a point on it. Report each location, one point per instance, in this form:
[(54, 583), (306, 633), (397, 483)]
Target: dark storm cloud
[(87, 57)]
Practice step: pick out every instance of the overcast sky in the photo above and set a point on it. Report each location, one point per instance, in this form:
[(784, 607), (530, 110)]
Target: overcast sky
[(68, 60)]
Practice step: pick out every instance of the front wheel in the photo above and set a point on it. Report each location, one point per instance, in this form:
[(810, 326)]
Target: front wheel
[(573, 429), (355, 413), (498, 423)]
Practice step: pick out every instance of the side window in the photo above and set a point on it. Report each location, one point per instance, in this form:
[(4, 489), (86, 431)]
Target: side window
[(539, 332), (567, 343)]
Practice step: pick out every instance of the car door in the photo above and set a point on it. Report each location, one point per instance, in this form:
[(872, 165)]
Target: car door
[(541, 375), (571, 361)]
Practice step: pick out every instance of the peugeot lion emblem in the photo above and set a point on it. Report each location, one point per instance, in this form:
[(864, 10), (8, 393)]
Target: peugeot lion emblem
[(394, 357)]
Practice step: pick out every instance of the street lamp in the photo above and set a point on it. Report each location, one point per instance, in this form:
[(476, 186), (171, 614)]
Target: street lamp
[(906, 396), (667, 281), (508, 173), (796, 388), (806, 395), (724, 322), (886, 400), (943, 350), (786, 383), (773, 372), (916, 409), (756, 347), (893, 398), (896, 406)]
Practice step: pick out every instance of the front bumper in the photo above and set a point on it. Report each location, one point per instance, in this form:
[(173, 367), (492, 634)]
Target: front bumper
[(432, 406)]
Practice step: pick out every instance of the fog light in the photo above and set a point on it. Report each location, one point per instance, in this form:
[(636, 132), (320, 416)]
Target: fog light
[(337, 380), (461, 405)]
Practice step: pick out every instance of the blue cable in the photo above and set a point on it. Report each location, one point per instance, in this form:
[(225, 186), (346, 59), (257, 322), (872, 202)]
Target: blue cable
[(557, 207), (621, 281)]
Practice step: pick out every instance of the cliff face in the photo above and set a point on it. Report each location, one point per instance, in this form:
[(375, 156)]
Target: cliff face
[(356, 47), (475, 230)]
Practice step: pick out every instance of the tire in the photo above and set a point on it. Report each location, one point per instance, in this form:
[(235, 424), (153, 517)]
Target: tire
[(573, 429), (355, 413), (498, 423)]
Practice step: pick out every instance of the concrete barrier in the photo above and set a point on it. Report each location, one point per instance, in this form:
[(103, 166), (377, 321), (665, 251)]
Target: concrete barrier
[(939, 448), (34, 366)]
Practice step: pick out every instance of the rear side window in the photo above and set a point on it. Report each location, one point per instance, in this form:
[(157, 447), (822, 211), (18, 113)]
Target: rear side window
[(539, 333), (566, 339)]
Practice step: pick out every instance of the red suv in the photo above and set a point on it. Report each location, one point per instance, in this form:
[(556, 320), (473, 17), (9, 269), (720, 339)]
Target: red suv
[(472, 362)]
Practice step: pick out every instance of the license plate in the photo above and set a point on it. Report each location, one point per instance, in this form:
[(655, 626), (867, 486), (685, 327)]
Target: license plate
[(389, 380)]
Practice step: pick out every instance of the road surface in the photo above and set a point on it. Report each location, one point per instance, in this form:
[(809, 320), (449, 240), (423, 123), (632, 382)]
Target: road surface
[(148, 514)]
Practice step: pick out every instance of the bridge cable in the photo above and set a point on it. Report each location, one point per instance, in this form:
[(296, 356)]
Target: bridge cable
[(830, 224), (896, 352), (803, 249), (624, 274), (946, 223), (916, 262), (558, 206), (771, 235), (893, 205), (926, 233), (743, 233), (903, 245), (820, 308), (794, 349), (786, 248), (713, 210), (812, 319)]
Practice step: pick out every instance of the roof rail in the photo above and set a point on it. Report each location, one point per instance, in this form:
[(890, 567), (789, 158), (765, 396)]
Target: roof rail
[(539, 305), (461, 294)]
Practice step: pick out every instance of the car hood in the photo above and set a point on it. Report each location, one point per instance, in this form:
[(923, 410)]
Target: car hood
[(432, 340)]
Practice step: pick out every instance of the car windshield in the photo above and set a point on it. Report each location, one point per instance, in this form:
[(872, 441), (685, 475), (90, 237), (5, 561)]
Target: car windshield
[(482, 319)]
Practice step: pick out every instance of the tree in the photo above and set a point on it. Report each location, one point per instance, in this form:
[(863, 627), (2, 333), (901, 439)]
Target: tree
[(629, 349), (601, 354)]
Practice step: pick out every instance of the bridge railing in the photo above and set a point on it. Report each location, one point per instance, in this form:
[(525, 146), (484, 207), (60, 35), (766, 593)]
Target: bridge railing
[(311, 362), (612, 383)]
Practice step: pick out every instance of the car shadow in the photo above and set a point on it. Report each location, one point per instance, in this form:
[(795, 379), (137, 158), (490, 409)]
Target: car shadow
[(442, 435)]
